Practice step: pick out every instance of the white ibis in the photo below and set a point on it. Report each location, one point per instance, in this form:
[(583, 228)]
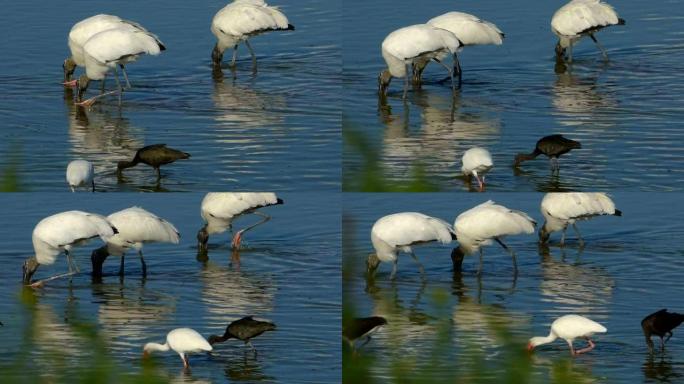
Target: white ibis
[(569, 328), (552, 146), (111, 48), (136, 226), (406, 46), (476, 161), (488, 221), (469, 29), (240, 20), (82, 31), (561, 209), (580, 18), (219, 209), (243, 329), (362, 328), (660, 323), (155, 156), (183, 341), (398, 232), (61, 233), (80, 173)]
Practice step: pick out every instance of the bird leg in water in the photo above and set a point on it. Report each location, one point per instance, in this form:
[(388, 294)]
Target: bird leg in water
[(451, 75), (123, 69), (603, 51), (394, 269), (579, 236), (186, 363), (479, 268), (102, 85), (40, 283), (587, 349), (570, 53), (555, 167), (91, 101), (406, 81), (254, 61), (515, 262), (118, 85), (121, 265), (457, 69), (420, 266), (480, 182), (232, 62), (235, 243), (142, 262)]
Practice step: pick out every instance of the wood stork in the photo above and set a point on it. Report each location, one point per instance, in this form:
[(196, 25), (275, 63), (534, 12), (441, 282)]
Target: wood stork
[(82, 31), (397, 232), (476, 161), (62, 232), (80, 173), (488, 221), (362, 328), (219, 209), (660, 323), (569, 328), (553, 146), (469, 29), (580, 18), (136, 226), (407, 45), (244, 329), (240, 20), (155, 156), (561, 209), (111, 48), (183, 341)]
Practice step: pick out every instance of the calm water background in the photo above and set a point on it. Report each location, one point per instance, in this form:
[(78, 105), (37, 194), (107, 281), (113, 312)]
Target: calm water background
[(631, 266), (627, 113), (277, 131), (288, 273)]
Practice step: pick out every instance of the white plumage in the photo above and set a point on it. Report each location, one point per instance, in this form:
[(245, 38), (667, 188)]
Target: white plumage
[(477, 162), (80, 173), (183, 341), (561, 209), (478, 226), (569, 328), (580, 18), (396, 233)]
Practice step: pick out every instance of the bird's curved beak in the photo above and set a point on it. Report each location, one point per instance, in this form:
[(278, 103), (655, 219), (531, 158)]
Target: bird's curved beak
[(530, 347), (145, 355)]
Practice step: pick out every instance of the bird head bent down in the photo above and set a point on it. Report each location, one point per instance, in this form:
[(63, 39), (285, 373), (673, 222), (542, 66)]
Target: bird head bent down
[(97, 258), (534, 342), (202, 239), (384, 80), (372, 264), (82, 86), (544, 234), (69, 67), (457, 255), (29, 268)]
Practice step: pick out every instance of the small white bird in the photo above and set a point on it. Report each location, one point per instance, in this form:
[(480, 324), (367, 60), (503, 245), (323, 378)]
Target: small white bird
[(397, 232), (183, 341), (488, 221), (80, 173), (580, 18), (476, 161), (569, 328), (136, 226), (219, 209), (406, 46), (61, 233), (240, 20), (110, 48), (469, 29), (561, 209)]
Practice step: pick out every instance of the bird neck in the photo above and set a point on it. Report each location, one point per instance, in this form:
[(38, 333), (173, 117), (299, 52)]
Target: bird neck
[(127, 164), (526, 156), (152, 347), (213, 339), (540, 340)]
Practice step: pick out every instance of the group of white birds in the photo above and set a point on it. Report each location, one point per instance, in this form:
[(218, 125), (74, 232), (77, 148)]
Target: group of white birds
[(409, 49)]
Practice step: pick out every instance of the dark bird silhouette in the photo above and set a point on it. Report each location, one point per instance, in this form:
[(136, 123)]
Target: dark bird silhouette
[(660, 323), (553, 147), (244, 329), (155, 156), (362, 327)]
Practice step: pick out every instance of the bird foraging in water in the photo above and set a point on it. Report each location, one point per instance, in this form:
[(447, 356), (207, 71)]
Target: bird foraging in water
[(561, 209), (155, 156), (244, 329), (553, 147), (182, 341), (476, 161), (240, 20), (580, 18), (569, 328), (660, 323), (362, 327), (80, 173)]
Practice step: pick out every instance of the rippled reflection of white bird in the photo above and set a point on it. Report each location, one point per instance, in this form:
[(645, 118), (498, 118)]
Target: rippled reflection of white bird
[(476, 162), (183, 341), (80, 173)]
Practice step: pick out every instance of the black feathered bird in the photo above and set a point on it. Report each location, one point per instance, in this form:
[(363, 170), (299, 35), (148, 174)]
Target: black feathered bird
[(362, 327), (244, 329), (553, 147), (660, 323), (155, 156)]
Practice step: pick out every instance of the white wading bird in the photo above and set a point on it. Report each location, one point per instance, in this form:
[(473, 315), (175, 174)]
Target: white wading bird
[(561, 209), (396, 233), (569, 328), (580, 18), (240, 20), (469, 29), (80, 173), (182, 341), (136, 226), (60, 233), (219, 209), (476, 161), (488, 221), (406, 46)]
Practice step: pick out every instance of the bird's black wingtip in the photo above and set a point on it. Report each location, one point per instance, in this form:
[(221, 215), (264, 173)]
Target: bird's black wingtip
[(291, 27), (617, 212), (114, 229), (162, 47), (621, 21), (280, 201)]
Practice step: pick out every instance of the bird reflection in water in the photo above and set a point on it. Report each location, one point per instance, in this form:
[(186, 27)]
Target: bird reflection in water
[(244, 367), (661, 369)]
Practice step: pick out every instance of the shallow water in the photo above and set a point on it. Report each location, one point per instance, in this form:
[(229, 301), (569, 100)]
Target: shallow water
[(628, 269), (272, 278), (277, 131), (626, 112)]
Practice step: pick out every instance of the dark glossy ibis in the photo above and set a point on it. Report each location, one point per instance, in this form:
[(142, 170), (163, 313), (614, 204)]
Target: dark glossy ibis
[(155, 156), (660, 323), (553, 147), (244, 329), (362, 327)]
